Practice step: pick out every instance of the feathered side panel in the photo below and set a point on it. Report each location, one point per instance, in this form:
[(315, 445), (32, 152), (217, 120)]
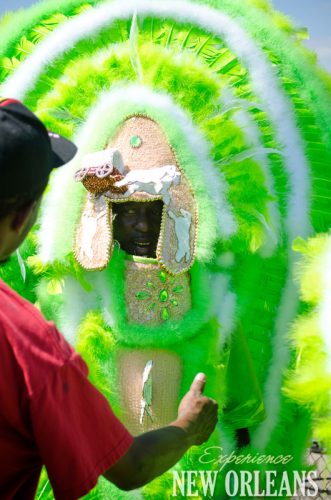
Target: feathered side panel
[(309, 382)]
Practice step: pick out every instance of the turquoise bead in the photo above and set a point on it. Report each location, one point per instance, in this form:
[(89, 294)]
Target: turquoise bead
[(136, 141)]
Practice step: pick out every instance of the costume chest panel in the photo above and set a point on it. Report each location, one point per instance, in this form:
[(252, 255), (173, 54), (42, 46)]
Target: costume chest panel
[(153, 296), (149, 394)]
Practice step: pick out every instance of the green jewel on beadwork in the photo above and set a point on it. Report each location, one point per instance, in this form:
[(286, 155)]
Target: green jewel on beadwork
[(164, 296), (163, 277), (136, 141), (165, 314), (142, 295)]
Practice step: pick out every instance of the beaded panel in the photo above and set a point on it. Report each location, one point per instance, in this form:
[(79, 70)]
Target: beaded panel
[(143, 146), (94, 236), (165, 380), (153, 150), (153, 296), (177, 242)]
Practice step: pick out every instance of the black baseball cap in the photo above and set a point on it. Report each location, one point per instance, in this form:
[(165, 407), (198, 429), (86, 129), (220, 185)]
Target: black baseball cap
[(28, 151)]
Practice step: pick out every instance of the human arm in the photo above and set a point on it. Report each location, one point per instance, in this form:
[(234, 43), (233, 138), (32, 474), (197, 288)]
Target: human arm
[(152, 453), (242, 437), (78, 437)]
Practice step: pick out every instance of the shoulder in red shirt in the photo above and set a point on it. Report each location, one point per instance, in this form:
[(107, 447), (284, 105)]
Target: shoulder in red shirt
[(49, 412)]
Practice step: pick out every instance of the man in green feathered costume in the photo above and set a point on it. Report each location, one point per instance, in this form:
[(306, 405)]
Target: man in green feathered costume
[(153, 321)]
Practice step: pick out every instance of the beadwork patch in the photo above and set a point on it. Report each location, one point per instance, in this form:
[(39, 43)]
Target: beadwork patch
[(177, 242), (100, 170), (154, 150), (147, 393), (94, 240), (165, 387), (155, 181), (153, 296)]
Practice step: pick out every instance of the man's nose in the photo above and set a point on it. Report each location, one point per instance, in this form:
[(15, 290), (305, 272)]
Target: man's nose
[(143, 223)]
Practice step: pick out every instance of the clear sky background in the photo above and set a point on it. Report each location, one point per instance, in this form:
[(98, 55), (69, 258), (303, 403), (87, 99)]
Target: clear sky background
[(312, 14)]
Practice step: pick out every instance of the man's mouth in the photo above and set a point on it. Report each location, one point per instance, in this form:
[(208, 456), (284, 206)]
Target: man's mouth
[(142, 243)]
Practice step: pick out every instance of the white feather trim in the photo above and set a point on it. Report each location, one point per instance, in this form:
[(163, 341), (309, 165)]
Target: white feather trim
[(253, 137), (76, 304)]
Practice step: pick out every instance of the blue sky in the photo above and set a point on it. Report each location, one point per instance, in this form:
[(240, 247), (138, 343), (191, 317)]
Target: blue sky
[(312, 14)]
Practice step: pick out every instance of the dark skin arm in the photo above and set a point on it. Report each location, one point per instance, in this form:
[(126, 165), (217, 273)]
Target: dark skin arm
[(153, 453), (242, 437)]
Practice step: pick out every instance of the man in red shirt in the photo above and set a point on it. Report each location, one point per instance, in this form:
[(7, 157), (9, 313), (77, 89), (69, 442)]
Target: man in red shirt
[(49, 412)]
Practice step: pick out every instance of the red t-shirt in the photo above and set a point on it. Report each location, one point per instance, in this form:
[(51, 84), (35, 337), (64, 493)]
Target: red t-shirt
[(49, 412)]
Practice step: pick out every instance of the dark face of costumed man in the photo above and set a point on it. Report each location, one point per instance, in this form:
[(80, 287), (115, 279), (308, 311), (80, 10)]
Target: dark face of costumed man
[(137, 226)]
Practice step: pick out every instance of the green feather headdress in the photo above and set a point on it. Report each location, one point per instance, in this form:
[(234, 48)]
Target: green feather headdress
[(245, 99)]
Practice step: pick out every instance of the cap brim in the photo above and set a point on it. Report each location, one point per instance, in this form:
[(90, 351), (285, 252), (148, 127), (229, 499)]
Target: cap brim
[(63, 149)]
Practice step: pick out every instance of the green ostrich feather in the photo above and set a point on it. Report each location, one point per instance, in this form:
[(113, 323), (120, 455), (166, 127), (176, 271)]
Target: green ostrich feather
[(309, 383), (25, 282)]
